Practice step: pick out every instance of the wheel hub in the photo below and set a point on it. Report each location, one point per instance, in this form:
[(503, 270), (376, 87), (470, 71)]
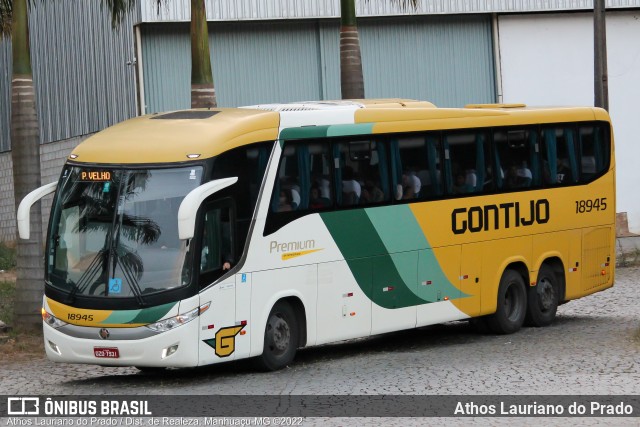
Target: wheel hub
[(281, 335), (545, 294)]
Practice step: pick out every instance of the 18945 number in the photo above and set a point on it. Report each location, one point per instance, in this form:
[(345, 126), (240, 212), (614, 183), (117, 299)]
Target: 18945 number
[(85, 317), (583, 206)]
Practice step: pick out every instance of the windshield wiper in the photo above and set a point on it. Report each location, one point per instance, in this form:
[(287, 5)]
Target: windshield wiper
[(133, 283), (87, 277)]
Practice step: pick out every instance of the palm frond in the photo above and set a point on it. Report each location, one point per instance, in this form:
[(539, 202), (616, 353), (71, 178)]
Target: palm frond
[(118, 9), (404, 4), (6, 7)]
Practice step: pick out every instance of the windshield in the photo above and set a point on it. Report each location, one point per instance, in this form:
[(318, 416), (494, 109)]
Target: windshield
[(114, 232)]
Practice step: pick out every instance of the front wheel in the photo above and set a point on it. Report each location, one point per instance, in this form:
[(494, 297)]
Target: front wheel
[(280, 338), (543, 299), (512, 304)]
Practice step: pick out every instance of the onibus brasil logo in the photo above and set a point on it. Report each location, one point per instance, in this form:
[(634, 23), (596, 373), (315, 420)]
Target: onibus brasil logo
[(26, 406)]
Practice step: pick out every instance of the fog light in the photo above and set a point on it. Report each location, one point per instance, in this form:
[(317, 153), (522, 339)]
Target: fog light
[(54, 347), (169, 351)]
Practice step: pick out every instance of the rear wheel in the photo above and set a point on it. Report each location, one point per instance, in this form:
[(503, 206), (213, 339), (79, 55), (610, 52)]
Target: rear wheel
[(512, 304), (280, 338), (543, 298)]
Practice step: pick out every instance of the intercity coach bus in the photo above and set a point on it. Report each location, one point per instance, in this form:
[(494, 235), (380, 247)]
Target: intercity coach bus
[(203, 236)]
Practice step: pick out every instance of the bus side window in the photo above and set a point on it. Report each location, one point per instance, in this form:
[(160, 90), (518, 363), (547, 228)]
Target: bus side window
[(466, 159), (361, 172), (594, 152), (304, 178), (419, 163), (516, 159), (559, 165), (216, 250)]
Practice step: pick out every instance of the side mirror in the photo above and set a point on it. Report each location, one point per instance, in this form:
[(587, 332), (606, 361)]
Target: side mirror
[(189, 206), (25, 208)]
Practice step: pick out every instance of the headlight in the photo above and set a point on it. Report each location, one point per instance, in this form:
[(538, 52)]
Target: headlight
[(51, 320), (179, 320)]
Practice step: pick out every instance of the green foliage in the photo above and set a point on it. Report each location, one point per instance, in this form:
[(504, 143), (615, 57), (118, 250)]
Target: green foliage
[(7, 297), (7, 257)]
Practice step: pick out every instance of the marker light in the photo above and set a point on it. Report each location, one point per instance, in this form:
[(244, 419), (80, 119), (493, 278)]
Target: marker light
[(179, 320), (193, 156), (603, 272), (51, 320), (73, 156), (169, 351), (54, 347)]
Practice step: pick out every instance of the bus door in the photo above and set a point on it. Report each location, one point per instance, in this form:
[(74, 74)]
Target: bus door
[(218, 325)]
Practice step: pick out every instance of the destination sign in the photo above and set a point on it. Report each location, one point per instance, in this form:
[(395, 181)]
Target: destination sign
[(98, 176)]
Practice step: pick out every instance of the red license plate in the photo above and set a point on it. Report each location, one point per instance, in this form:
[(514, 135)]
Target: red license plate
[(106, 352)]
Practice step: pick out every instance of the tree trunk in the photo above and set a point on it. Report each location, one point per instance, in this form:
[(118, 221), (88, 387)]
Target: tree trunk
[(25, 154), (351, 78), (203, 94)]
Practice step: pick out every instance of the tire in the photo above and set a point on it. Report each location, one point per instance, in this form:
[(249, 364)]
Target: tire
[(543, 299), (512, 304), (281, 337)]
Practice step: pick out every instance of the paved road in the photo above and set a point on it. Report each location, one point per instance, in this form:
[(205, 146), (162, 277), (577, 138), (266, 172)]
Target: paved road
[(592, 348)]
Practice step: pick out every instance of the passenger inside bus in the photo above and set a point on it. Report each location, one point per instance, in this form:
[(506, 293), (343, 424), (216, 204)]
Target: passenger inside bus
[(285, 203), (316, 201), (351, 189), (461, 186)]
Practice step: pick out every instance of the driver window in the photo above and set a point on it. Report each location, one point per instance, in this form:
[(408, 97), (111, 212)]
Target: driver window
[(216, 254)]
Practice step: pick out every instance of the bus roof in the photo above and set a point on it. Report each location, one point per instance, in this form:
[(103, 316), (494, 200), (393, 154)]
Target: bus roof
[(181, 135)]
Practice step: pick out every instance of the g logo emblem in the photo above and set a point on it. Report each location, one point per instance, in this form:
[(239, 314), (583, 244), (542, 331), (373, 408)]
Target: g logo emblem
[(225, 341)]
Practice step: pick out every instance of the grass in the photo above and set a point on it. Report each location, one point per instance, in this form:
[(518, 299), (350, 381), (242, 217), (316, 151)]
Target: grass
[(13, 346), (7, 295), (7, 257)]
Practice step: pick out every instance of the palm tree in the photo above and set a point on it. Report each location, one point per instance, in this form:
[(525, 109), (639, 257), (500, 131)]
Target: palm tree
[(203, 94), (351, 77), (25, 154)]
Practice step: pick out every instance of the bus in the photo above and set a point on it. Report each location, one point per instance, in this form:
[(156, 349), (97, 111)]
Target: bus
[(202, 236)]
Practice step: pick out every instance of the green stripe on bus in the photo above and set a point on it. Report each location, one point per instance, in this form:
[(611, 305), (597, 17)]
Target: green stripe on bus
[(373, 268), (389, 256), (312, 132), (398, 228), (147, 315), (305, 132), (350, 129), (153, 314), (400, 232)]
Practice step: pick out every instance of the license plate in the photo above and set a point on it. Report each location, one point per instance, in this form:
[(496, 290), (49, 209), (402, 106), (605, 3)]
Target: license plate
[(106, 352)]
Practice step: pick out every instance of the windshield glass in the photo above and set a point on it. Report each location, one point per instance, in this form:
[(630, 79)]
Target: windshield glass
[(114, 233)]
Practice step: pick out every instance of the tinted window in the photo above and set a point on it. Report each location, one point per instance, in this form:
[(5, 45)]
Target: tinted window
[(418, 169), (559, 163), (516, 159), (362, 172), (594, 152), (466, 159)]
